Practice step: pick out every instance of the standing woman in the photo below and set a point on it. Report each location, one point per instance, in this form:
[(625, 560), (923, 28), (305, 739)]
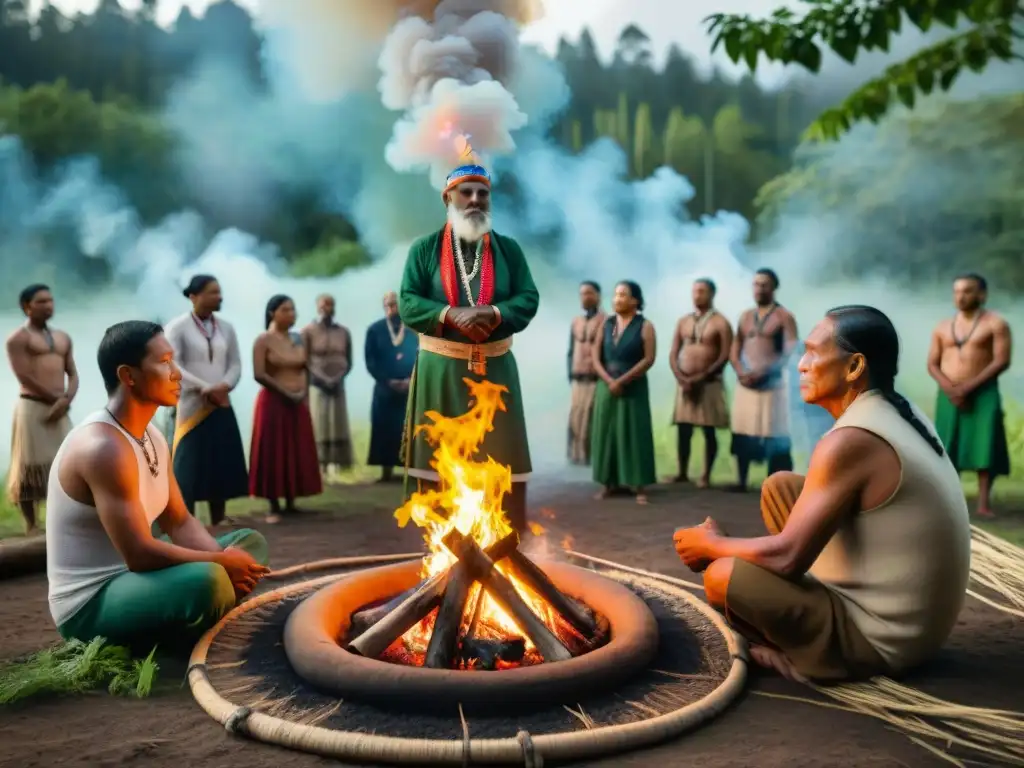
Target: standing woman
[(209, 461), (622, 447), (283, 459)]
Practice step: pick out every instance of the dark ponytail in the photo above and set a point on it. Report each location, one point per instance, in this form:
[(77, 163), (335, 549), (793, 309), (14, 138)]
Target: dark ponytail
[(197, 285), (867, 331)]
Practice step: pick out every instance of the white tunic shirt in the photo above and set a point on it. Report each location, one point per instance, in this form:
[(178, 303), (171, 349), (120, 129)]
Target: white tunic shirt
[(207, 353)]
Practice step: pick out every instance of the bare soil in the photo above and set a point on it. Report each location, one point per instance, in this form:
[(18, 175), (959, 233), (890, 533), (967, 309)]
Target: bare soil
[(983, 664)]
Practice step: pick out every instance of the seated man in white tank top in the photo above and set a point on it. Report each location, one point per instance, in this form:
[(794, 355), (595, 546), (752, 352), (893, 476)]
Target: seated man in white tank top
[(109, 575), (866, 564)]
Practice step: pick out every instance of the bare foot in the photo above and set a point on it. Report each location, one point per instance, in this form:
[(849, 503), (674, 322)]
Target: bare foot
[(703, 483), (678, 480), (273, 519), (985, 512), (641, 498), (769, 658), (603, 494)]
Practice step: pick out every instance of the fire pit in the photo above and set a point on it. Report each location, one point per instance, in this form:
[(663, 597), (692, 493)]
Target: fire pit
[(473, 654), (483, 625), (625, 635), (479, 615), (242, 675)]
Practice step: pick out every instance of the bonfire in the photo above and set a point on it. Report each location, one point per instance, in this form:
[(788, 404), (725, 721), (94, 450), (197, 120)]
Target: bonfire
[(482, 603)]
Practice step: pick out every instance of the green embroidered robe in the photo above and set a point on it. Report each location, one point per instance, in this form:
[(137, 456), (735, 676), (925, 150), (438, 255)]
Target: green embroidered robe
[(438, 381)]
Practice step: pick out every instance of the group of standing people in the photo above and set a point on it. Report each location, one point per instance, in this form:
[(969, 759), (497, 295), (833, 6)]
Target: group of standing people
[(610, 425), (125, 558), (887, 586), (300, 436)]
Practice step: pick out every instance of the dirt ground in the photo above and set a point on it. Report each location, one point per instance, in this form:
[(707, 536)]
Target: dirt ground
[(983, 665)]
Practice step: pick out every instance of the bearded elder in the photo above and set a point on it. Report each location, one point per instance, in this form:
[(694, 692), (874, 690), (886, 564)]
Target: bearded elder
[(466, 291)]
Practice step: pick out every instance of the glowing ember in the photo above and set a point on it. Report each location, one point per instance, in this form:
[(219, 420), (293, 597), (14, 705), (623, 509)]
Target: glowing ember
[(469, 499)]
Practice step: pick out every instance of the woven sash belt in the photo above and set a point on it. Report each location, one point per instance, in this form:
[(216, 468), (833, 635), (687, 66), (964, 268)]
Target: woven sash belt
[(475, 354)]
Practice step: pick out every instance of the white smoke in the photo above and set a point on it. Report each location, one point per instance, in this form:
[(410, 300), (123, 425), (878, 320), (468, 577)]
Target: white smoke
[(369, 154), (449, 79)]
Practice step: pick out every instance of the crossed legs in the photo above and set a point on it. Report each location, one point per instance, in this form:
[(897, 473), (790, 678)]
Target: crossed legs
[(799, 627)]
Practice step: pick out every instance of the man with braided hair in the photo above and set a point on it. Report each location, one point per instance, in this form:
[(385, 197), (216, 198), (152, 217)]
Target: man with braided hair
[(866, 562), (466, 291)]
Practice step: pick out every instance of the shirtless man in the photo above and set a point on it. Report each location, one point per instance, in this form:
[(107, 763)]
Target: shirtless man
[(112, 479), (329, 351), (967, 356), (584, 333), (700, 351), (41, 359), (765, 338)]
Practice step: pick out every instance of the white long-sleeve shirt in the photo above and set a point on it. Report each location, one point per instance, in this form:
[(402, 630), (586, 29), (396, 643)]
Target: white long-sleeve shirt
[(207, 354)]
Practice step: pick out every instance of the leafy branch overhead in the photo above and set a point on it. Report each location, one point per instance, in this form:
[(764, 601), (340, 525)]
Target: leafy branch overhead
[(847, 28)]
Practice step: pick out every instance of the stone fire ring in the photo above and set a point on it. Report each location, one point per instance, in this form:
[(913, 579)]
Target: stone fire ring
[(313, 629)]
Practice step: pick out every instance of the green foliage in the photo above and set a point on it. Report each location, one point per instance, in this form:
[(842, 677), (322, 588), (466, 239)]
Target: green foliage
[(136, 151), (330, 258), (113, 50), (77, 667), (932, 192), (55, 122), (644, 161), (847, 28), (722, 162), (680, 104), (685, 142), (85, 84), (576, 136)]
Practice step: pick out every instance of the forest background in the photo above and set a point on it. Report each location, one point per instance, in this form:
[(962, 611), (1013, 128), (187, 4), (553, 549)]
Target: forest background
[(97, 85)]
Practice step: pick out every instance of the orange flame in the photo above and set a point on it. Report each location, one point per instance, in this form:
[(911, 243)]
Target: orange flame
[(460, 142), (469, 499)]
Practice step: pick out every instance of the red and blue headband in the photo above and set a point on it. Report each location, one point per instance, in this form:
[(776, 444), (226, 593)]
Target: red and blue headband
[(463, 174)]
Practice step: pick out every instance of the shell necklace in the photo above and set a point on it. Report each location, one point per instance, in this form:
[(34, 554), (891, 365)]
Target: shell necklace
[(467, 278)]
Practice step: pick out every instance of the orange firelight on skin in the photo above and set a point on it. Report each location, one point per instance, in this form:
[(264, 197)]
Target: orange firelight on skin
[(468, 498)]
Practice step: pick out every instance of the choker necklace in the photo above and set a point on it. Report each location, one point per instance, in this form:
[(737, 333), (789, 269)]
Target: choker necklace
[(154, 462)]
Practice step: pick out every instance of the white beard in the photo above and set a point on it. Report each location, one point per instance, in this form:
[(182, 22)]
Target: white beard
[(468, 228)]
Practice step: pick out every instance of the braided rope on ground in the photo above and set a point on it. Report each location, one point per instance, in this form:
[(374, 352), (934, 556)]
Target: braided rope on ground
[(591, 741), (992, 735)]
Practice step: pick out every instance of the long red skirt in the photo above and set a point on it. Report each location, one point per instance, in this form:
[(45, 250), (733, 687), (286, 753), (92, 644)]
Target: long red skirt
[(283, 462)]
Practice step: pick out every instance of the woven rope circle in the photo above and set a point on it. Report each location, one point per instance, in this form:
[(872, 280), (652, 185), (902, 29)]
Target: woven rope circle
[(524, 749)]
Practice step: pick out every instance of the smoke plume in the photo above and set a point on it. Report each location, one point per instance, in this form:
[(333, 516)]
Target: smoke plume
[(366, 107)]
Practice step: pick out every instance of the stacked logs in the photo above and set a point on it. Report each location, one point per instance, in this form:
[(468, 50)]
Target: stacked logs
[(449, 592)]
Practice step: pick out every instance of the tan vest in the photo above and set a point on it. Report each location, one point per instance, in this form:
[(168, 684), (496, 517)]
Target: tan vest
[(902, 568), (585, 333)]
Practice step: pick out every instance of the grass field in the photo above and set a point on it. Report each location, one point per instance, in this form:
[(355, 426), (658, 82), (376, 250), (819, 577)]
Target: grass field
[(355, 490)]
